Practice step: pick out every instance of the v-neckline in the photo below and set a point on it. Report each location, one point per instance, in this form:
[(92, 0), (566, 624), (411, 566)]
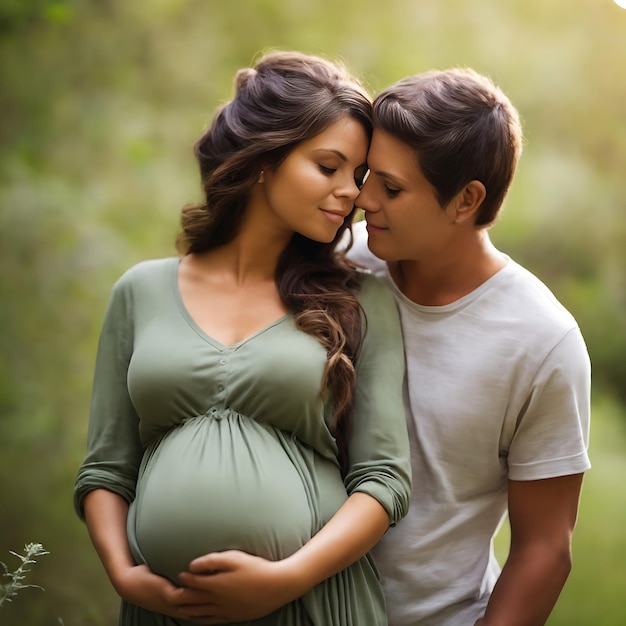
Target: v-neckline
[(216, 343)]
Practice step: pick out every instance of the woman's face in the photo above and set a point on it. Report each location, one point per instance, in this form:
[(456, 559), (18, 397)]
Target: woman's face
[(404, 218), (314, 188)]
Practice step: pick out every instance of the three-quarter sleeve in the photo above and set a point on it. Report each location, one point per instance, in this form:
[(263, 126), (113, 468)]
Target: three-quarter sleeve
[(379, 447), (114, 449)]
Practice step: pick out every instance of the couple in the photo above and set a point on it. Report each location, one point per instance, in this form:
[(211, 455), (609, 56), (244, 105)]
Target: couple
[(248, 456)]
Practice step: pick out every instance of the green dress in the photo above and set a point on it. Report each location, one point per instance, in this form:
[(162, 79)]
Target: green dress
[(227, 447)]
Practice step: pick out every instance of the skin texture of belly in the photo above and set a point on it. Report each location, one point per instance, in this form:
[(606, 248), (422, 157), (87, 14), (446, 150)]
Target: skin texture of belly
[(220, 483)]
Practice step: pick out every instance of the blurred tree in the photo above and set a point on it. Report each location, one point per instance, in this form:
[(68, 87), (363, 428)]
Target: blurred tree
[(101, 102)]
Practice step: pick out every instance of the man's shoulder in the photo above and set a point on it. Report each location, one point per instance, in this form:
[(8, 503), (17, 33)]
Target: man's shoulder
[(536, 299)]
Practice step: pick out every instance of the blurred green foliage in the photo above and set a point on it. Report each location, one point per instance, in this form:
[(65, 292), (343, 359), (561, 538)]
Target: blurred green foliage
[(101, 102)]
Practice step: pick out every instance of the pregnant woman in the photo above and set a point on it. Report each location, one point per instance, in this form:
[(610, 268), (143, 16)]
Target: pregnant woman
[(248, 393)]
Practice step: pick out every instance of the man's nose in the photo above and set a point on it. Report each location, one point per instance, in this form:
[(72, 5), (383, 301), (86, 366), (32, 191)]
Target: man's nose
[(366, 199)]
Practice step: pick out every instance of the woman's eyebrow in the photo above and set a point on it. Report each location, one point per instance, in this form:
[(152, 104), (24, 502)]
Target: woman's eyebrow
[(340, 154)]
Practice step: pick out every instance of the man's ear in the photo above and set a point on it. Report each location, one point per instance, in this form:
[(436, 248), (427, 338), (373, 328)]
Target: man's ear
[(467, 202)]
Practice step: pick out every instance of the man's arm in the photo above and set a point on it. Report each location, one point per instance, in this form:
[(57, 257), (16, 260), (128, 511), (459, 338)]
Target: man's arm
[(542, 514)]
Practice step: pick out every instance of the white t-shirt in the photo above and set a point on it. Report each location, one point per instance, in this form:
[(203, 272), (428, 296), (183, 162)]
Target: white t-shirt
[(498, 389)]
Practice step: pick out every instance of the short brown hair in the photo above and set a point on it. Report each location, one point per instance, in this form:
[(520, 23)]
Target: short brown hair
[(461, 126)]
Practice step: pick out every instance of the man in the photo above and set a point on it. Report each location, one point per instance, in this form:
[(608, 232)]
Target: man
[(498, 373)]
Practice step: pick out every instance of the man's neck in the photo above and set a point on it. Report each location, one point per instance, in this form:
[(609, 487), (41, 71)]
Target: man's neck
[(447, 279)]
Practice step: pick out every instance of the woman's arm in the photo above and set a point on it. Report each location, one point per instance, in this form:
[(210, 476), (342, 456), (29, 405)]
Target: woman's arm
[(268, 585), (107, 477), (105, 515)]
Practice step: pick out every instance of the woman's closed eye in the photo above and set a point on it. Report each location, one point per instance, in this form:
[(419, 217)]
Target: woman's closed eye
[(327, 170)]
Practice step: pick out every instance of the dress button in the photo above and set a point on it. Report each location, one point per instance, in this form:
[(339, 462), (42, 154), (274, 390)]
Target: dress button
[(223, 361), (220, 387)]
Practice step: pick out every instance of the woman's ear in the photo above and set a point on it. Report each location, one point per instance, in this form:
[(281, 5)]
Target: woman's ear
[(466, 203)]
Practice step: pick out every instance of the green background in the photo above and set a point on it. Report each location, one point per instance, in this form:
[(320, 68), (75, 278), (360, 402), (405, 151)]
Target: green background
[(100, 104)]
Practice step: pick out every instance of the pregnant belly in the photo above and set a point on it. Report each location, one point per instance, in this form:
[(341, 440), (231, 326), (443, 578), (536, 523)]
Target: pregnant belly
[(219, 484)]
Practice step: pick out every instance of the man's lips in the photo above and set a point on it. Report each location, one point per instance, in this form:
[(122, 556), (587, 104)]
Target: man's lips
[(374, 227)]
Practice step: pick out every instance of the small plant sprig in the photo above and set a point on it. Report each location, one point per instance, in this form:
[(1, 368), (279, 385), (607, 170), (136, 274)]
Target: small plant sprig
[(31, 552)]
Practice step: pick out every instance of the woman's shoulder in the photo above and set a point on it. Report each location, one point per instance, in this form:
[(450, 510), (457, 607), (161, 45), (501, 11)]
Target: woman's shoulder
[(149, 270), (382, 318), (373, 293)]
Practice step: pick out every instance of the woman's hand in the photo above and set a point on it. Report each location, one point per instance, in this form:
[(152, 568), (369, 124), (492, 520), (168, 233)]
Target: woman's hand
[(106, 514), (242, 586), (140, 586)]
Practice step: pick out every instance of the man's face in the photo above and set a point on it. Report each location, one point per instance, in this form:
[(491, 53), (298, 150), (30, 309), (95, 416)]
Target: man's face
[(404, 219)]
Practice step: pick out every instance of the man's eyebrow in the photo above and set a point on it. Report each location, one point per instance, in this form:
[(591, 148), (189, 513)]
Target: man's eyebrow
[(384, 174), (340, 154)]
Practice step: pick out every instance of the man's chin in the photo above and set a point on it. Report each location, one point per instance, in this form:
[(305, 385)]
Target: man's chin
[(378, 250)]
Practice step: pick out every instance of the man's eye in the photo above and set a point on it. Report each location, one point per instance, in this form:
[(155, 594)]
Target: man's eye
[(391, 192), (327, 170)]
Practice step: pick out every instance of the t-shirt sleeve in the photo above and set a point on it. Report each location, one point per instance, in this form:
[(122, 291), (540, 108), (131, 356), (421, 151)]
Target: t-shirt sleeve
[(114, 449), (552, 435), (379, 447)]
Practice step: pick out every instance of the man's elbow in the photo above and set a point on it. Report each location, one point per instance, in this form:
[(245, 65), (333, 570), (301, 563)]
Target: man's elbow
[(558, 560)]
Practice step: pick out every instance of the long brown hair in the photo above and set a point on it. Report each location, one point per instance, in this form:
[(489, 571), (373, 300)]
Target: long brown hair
[(287, 98)]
